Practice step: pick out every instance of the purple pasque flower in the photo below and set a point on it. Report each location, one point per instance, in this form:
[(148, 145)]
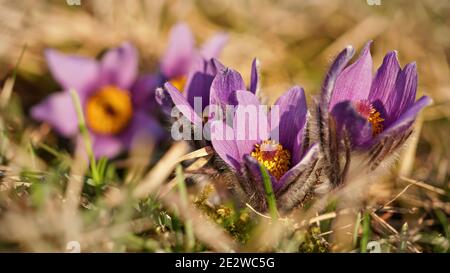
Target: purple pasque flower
[(181, 56), (372, 113), (279, 142), (211, 83), (111, 94)]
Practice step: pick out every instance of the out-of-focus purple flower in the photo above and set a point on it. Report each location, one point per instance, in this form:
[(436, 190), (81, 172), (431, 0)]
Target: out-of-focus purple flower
[(212, 83), (113, 97), (182, 57), (372, 113), (247, 143), (187, 72)]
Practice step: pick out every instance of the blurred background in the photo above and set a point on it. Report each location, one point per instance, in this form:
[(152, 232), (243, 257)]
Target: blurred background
[(294, 40)]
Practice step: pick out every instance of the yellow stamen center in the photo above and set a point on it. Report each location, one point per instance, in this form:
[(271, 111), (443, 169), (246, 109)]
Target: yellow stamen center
[(273, 156), (376, 120), (368, 111), (109, 110), (179, 82)]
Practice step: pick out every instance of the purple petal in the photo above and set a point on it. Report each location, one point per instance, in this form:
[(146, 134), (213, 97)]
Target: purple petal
[(200, 80), (250, 122), (213, 47), (182, 104), (222, 139), (254, 170), (404, 94), (406, 119), (120, 66), (218, 65), (255, 76), (58, 111), (75, 72), (244, 98), (142, 125), (306, 164), (383, 85), (224, 84), (178, 57), (292, 112), (348, 119), (323, 111), (355, 81), (106, 146), (164, 101), (143, 91), (329, 82), (298, 149)]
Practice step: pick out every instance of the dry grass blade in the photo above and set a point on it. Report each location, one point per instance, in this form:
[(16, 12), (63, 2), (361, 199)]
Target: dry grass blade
[(390, 230), (424, 186), (75, 183), (397, 196), (257, 212), (5, 95), (141, 150), (199, 163), (161, 171), (196, 154), (70, 214), (205, 230), (115, 196)]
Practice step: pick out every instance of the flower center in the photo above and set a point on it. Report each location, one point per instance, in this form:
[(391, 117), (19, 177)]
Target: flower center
[(179, 82), (109, 110), (368, 111), (273, 156)]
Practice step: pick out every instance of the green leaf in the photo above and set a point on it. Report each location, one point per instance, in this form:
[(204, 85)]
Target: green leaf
[(86, 138), (366, 232), (270, 196)]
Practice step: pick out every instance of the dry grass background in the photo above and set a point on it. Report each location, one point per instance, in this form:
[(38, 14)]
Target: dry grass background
[(295, 41)]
